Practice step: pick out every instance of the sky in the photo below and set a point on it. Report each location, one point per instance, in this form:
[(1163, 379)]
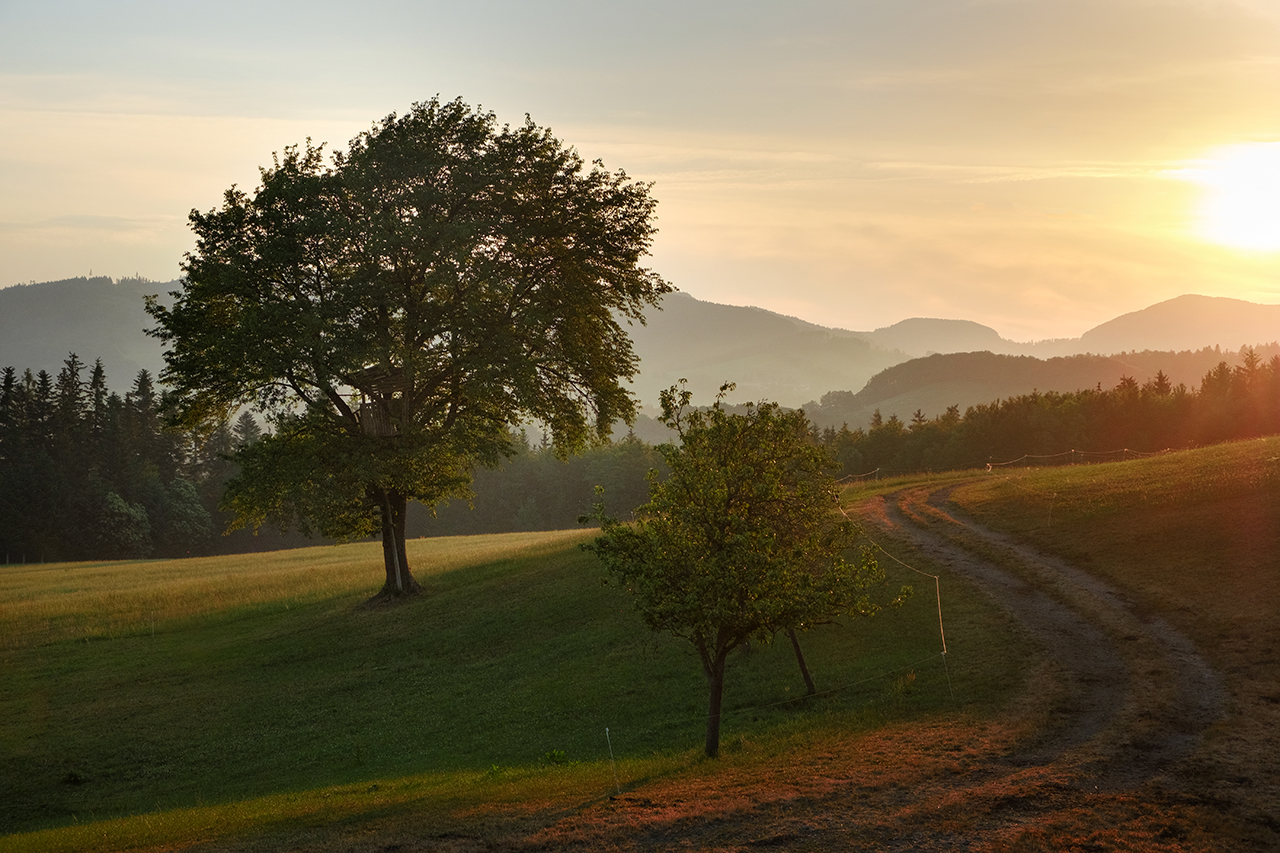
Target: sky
[(1039, 166)]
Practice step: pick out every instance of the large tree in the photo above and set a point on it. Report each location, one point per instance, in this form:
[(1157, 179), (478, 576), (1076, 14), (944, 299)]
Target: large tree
[(394, 312), (742, 540)]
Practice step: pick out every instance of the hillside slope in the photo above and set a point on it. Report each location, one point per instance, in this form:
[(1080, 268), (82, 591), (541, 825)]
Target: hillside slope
[(765, 354), (934, 383), (92, 317), (768, 355)]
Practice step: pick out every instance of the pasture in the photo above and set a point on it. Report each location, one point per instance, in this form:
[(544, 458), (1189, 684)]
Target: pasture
[(259, 703), (169, 703), (1193, 538)]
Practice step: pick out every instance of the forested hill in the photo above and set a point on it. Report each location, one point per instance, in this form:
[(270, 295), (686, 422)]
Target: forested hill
[(767, 355), (932, 384), (92, 317)]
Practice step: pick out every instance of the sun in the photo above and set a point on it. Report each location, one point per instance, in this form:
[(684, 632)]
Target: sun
[(1241, 205)]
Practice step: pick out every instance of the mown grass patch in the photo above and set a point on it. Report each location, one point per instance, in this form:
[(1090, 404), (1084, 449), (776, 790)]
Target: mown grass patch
[(147, 697)]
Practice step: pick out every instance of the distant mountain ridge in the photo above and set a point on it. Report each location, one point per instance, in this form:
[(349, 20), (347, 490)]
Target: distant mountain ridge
[(767, 355), (914, 364), (1186, 323), (795, 362), (92, 317)]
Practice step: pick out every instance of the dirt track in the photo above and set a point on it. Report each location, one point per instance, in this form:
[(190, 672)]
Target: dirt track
[(1100, 753), (1138, 696), (1092, 760)]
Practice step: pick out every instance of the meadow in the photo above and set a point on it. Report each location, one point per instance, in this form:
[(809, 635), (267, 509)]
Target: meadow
[(260, 702), (167, 703)]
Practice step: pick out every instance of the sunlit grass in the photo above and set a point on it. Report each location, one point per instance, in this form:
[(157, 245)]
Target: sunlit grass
[(860, 490), (51, 602), (1193, 532), (443, 802)]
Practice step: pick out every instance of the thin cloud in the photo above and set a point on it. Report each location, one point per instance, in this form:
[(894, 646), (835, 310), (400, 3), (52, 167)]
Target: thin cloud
[(989, 174)]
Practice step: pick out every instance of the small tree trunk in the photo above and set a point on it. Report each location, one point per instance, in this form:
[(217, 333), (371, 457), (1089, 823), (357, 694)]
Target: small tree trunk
[(715, 677), (400, 580), (804, 669)]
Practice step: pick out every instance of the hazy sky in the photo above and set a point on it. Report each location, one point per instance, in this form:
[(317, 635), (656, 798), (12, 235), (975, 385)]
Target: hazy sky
[(1037, 165)]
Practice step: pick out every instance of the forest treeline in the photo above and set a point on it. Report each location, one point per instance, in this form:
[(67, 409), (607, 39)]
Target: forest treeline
[(87, 473), (1230, 403), (537, 490)]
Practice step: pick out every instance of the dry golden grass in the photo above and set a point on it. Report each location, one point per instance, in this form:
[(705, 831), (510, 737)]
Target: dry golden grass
[(52, 602)]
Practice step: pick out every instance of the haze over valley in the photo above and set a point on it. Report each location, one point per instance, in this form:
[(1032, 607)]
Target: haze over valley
[(917, 363)]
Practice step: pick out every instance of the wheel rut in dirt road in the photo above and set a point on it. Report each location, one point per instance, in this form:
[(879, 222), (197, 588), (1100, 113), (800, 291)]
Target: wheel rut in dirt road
[(1095, 751), (1136, 695)]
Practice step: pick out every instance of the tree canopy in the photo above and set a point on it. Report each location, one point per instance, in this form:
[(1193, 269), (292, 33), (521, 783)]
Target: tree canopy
[(394, 312), (742, 539)]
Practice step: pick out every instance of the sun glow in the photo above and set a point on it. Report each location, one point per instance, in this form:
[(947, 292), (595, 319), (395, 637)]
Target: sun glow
[(1241, 207)]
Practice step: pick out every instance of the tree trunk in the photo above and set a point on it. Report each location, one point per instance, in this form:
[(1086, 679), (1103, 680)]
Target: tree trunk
[(715, 677), (400, 580), (804, 669)]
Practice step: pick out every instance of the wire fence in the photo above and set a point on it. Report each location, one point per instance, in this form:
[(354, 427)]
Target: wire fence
[(1028, 460), (109, 805)]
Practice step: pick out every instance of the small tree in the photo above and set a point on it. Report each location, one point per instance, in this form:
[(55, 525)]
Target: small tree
[(741, 541)]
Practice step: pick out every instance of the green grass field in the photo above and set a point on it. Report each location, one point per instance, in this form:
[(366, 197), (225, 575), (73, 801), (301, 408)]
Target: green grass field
[(161, 703), (168, 704)]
